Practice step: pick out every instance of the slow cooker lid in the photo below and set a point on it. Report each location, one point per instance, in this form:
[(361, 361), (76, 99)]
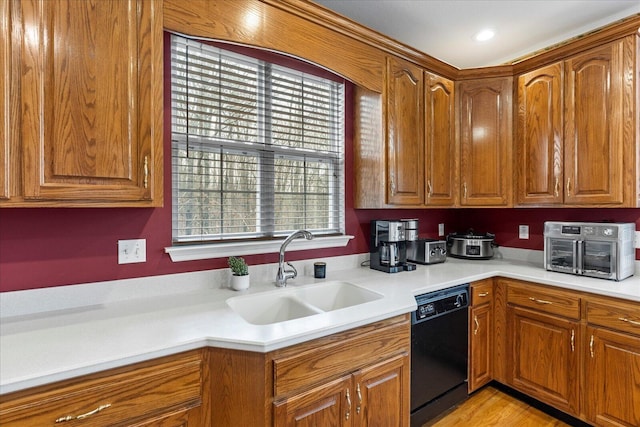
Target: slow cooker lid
[(471, 234)]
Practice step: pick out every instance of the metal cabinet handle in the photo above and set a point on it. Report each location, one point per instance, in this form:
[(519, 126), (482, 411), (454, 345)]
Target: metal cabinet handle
[(591, 346), (146, 171), (392, 178), (359, 405), (475, 320), (540, 301), (556, 191), (348, 413), (483, 294), (573, 341), (429, 188), (81, 416), (464, 190), (568, 186), (632, 322)]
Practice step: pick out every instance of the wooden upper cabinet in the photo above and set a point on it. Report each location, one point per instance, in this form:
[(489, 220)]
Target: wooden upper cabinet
[(539, 140), (485, 141), (405, 139), (599, 121), (91, 102), (440, 141)]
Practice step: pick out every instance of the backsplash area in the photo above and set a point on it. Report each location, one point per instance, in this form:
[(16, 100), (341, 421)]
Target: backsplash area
[(42, 248)]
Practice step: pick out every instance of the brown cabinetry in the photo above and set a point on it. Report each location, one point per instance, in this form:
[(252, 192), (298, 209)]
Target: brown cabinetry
[(405, 135), (440, 141), (358, 377), (575, 140), (352, 379), (485, 141), (169, 391), (90, 103), (481, 334), (612, 392), (544, 337)]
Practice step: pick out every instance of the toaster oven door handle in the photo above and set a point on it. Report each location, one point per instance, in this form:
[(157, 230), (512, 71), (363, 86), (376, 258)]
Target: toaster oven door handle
[(578, 256)]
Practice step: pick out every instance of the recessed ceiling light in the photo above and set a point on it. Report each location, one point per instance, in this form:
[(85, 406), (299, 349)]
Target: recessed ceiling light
[(484, 35)]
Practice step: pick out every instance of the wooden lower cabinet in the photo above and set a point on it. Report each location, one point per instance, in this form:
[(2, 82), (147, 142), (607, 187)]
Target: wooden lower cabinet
[(369, 397), (544, 358), (359, 377), (613, 378), (171, 391), (328, 405), (481, 334)]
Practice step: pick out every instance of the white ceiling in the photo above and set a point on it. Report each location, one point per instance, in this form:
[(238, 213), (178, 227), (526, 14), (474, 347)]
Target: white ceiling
[(444, 29)]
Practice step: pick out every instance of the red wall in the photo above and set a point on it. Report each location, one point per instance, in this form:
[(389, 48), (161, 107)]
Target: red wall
[(42, 247)]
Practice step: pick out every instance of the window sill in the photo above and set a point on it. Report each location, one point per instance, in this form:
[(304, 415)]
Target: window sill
[(222, 250)]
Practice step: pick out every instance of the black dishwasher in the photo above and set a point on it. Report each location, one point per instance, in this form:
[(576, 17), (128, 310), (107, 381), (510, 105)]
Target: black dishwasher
[(439, 344)]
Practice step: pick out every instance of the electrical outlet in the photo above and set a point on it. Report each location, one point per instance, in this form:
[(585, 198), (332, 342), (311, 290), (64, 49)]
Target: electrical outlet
[(637, 245), (441, 229), (131, 251), (523, 232)]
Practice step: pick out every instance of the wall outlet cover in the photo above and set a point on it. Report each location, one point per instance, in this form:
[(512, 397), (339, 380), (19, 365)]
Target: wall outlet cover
[(523, 232)]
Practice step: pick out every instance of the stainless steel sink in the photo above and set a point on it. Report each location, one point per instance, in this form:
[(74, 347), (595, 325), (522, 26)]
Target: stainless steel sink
[(293, 303)]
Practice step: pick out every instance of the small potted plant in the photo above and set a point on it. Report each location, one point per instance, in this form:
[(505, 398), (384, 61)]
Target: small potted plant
[(240, 270)]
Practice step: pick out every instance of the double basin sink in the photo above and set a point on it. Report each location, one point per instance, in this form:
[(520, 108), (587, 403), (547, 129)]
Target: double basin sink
[(297, 302)]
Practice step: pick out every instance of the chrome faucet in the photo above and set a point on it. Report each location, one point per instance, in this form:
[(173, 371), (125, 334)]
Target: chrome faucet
[(283, 275)]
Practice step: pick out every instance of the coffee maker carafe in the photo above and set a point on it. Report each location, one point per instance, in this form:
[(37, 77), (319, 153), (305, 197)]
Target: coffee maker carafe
[(388, 248)]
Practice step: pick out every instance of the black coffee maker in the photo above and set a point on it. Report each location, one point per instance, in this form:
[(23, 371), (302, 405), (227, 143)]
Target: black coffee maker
[(388, 247)]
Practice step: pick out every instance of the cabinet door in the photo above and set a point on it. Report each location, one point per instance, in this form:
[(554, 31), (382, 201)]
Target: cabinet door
[(5, 84), (540, 136), (405, 144), (381, 395), (543, 357), (481, 345), (92, 100), (440, 141), (613, 378), (485, 142), (330, 404), (595, 116)]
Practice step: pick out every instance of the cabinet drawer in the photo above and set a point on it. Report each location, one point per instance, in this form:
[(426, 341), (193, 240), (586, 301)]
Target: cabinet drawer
[(481, 292), (621, 316), (546, 300), (321, 360), (109, 399)]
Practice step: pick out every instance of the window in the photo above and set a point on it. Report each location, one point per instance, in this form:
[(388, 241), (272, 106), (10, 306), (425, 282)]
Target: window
[(257, 148)]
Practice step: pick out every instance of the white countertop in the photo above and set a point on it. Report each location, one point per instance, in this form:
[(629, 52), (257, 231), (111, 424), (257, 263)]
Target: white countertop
[(44, 345)]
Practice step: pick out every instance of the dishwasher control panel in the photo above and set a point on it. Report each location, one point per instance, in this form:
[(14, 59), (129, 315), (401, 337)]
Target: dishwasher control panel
[(437, 303)]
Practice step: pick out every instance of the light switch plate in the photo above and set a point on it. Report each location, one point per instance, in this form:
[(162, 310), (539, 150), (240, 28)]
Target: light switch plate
[(441, 229), (132, 251), (523, 232), (637, 245)]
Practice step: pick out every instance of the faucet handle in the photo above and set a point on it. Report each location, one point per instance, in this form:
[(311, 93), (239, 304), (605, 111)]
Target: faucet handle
[(295, 272)]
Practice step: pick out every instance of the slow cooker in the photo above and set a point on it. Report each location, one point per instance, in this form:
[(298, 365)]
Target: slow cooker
[(471, 245)]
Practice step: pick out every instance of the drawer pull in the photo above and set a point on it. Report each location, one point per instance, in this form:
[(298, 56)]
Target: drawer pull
[(483, 294), (633, 322), (540, 301), (85, 415), (359, 405), (475, 331), (591, 346), (348, 413)]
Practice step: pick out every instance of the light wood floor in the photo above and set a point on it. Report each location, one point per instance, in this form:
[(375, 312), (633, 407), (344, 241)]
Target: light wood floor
[(491, 407)]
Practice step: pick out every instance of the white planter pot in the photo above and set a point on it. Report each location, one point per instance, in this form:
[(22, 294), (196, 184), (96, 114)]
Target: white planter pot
[(239, 283)]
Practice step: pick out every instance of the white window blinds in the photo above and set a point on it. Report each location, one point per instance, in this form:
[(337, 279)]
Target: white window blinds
[(257, 148)]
